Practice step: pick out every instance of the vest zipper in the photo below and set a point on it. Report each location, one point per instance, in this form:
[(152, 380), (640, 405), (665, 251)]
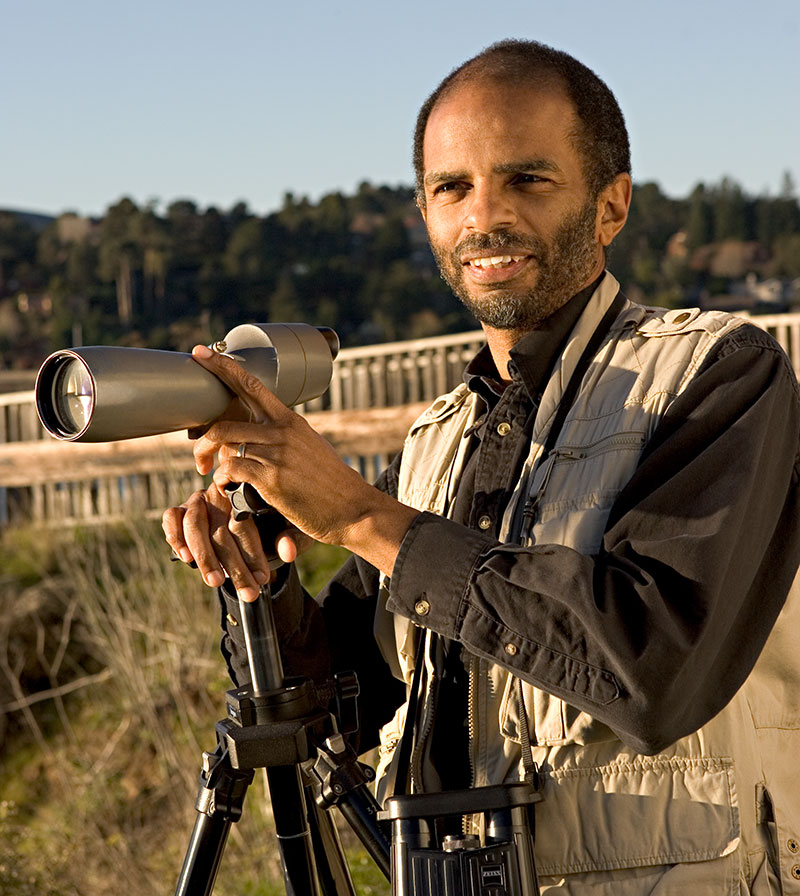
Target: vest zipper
[(470, 823), (531, 505), (471, 727), (428, 713)]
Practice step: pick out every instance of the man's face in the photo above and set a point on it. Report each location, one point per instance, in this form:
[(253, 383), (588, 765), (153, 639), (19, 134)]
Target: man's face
[(509, 217)]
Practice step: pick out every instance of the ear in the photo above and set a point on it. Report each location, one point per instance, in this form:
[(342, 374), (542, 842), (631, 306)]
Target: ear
[(612, 208), (419, 201)]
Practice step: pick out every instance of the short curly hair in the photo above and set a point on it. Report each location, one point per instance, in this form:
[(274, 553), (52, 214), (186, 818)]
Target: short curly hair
[(602, 139)]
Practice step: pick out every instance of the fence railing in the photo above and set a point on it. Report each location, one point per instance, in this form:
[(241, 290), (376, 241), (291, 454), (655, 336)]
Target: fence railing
[(378, 376)]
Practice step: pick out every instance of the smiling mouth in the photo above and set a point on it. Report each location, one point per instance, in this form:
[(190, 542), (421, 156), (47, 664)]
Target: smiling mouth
[(493, 262)]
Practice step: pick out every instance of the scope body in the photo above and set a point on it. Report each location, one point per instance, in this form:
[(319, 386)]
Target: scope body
[(107, 393)]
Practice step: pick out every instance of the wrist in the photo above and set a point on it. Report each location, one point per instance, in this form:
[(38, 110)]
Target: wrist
[(378, 534)]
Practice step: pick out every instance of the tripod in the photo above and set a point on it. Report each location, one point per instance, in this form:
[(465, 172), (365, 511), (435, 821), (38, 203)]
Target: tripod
[(280, 725)]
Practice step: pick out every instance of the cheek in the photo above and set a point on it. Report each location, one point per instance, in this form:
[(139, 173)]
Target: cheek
[(441, 242), (444, 227)]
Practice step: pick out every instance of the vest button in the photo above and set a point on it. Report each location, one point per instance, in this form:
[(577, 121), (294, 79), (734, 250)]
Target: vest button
[(485, 522), (793, 845), (682, 318), (512, 649), (796, 872), (504, 428), (422, 607)]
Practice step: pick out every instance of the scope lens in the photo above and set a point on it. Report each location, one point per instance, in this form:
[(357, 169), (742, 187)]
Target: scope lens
[(73, 396)]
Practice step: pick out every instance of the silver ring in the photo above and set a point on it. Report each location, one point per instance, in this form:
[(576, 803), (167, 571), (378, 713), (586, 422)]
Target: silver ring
[(241, 450)]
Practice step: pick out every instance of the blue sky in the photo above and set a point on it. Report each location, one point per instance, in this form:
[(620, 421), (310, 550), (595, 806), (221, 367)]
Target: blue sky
[(220, 102)]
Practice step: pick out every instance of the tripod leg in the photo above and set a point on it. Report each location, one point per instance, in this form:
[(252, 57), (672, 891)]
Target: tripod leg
[(219, 804), (332, 868), (203, 856), (291, 825)]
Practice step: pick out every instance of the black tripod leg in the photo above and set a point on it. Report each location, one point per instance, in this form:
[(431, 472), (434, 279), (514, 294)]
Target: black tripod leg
[(332, 868), (291, 825), (219, 804), (203, 856)]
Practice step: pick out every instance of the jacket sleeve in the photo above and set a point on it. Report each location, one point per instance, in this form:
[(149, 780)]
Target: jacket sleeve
[(655, 633)]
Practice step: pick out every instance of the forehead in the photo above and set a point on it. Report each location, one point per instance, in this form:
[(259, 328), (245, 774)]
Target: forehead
[(481, 122)]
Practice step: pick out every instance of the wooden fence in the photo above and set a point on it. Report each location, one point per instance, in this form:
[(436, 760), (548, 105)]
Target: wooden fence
[(375, 393)]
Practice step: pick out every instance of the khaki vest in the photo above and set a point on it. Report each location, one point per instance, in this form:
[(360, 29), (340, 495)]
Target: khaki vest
[(717, 812)]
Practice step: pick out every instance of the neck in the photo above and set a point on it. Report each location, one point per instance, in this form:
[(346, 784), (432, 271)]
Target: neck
[(500, 343)]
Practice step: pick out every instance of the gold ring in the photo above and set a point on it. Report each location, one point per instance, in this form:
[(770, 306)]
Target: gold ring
[(241, 450)]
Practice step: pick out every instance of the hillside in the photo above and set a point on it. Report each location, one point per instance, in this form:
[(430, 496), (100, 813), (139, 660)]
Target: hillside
[(358, 263)]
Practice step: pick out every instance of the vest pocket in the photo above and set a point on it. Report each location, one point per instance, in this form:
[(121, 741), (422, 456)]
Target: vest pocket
[(551, 721), (636, 813), (579, 486), (545, 714)]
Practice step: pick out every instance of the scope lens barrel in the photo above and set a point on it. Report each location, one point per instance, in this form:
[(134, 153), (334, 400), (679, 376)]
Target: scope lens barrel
[(67, 381), (106, 393)]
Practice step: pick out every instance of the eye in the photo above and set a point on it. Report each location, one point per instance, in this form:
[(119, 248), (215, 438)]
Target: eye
[(450, 186), (524, 178)]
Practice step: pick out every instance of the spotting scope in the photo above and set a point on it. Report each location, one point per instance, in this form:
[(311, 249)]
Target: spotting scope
[(104, 393)]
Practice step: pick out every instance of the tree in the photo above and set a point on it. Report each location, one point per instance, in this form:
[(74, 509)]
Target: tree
[(730, 212), (17, 249), (120, 254), (700, 220), (390, 242), (786, 259)]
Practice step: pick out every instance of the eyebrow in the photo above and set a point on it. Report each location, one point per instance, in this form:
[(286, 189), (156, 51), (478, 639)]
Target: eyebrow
[(530, 165)]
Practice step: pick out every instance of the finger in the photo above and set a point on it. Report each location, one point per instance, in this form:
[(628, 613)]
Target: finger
[(216, 550), (261, 403), (208, 443), (286, 548), (291, 543), (251, 550), (198, 525), (235, 411), (172, 526), (224, 438), (238, 469)]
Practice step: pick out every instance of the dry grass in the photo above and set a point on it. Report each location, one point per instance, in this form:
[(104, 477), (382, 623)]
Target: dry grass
[(111, 683)]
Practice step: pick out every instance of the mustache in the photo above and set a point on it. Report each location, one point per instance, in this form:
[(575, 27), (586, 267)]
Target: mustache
[(501, 239)]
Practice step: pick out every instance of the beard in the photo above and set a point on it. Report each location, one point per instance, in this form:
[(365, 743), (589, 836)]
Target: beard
[(563, 269)]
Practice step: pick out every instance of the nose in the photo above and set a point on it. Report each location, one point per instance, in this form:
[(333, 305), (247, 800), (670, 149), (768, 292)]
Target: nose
[(490, 209)]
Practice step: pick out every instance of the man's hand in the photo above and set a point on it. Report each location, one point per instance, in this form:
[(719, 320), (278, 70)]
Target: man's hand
[(202, 531), (296, 471)]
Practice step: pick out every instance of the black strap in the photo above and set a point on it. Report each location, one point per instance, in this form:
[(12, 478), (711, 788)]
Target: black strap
[(564, 405), (586, 358), (526, 745), (568, 398), (398, 775)]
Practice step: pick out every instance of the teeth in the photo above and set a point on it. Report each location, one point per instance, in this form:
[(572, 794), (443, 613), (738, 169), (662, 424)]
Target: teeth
[(495, 261)]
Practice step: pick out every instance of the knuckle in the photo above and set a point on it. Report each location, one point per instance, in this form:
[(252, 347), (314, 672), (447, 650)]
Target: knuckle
[(250, 382)]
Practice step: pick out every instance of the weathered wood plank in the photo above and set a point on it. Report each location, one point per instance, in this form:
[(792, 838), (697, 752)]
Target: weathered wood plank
[(368, 432)]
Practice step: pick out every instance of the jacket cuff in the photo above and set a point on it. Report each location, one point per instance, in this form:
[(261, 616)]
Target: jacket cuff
[(433, 572)]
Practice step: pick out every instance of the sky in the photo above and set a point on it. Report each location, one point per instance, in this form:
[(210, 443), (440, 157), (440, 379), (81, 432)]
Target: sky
[(217, 102)]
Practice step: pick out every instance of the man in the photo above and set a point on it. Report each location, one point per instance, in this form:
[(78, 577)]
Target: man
[(588, 543)]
